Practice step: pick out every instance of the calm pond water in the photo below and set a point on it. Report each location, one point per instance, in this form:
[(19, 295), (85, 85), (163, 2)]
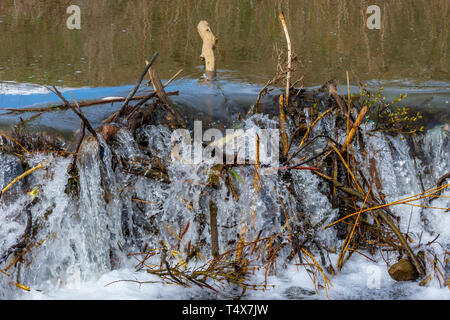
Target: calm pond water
[(408, 54)]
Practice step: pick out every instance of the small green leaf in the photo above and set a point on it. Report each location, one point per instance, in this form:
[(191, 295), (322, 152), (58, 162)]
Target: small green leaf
[(34, 192), (236, 175)]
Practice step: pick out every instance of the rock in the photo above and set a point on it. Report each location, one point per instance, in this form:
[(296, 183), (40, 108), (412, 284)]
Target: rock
[(109, 132), (299, 293), (403, 270)]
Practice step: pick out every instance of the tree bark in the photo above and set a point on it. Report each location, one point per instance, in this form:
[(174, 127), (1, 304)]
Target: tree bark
[(209, 45), (214, 231)]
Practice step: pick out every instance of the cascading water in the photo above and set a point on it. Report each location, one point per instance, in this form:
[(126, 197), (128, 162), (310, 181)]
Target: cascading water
[(118, 211)]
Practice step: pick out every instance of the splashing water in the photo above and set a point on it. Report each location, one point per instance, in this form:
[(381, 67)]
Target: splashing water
[(82, 243)]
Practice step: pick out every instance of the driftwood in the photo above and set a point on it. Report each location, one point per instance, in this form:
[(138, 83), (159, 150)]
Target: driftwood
[(146, 98), (283, 125), (80, 114), (153, 169), (289, 64), (76, 110), (352, 132), (139, 104), (383, 216), (440, 183), (209, 45), (140, 117), (214, 231), (442, 179), (159, 89), (112, 117), (255, 107), (77, 149), (85, 124), (82, 104), (333, 92), (172, 78), (138, 84), (124, 106)]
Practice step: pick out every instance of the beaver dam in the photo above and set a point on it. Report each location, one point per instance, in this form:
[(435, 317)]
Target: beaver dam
[(310, 194)]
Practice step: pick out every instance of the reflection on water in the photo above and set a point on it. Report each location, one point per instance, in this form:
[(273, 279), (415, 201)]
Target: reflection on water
[(329, 38), (408, 55), (216, 102)]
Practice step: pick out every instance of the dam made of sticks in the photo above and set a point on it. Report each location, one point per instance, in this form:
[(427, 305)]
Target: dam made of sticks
[(351, 176)]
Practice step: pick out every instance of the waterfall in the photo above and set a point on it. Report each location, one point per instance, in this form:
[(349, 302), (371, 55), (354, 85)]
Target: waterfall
[(121, 209)]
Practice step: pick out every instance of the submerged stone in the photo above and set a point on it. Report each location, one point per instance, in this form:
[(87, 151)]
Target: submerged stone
[(298, 293)]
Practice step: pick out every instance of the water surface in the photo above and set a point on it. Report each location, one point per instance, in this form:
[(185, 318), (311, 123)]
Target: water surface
[(409, 54)]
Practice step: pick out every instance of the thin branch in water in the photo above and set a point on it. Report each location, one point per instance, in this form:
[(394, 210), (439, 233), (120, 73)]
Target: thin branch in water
[(138, 84), (80, 114), (288, 73), (134, 281)]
